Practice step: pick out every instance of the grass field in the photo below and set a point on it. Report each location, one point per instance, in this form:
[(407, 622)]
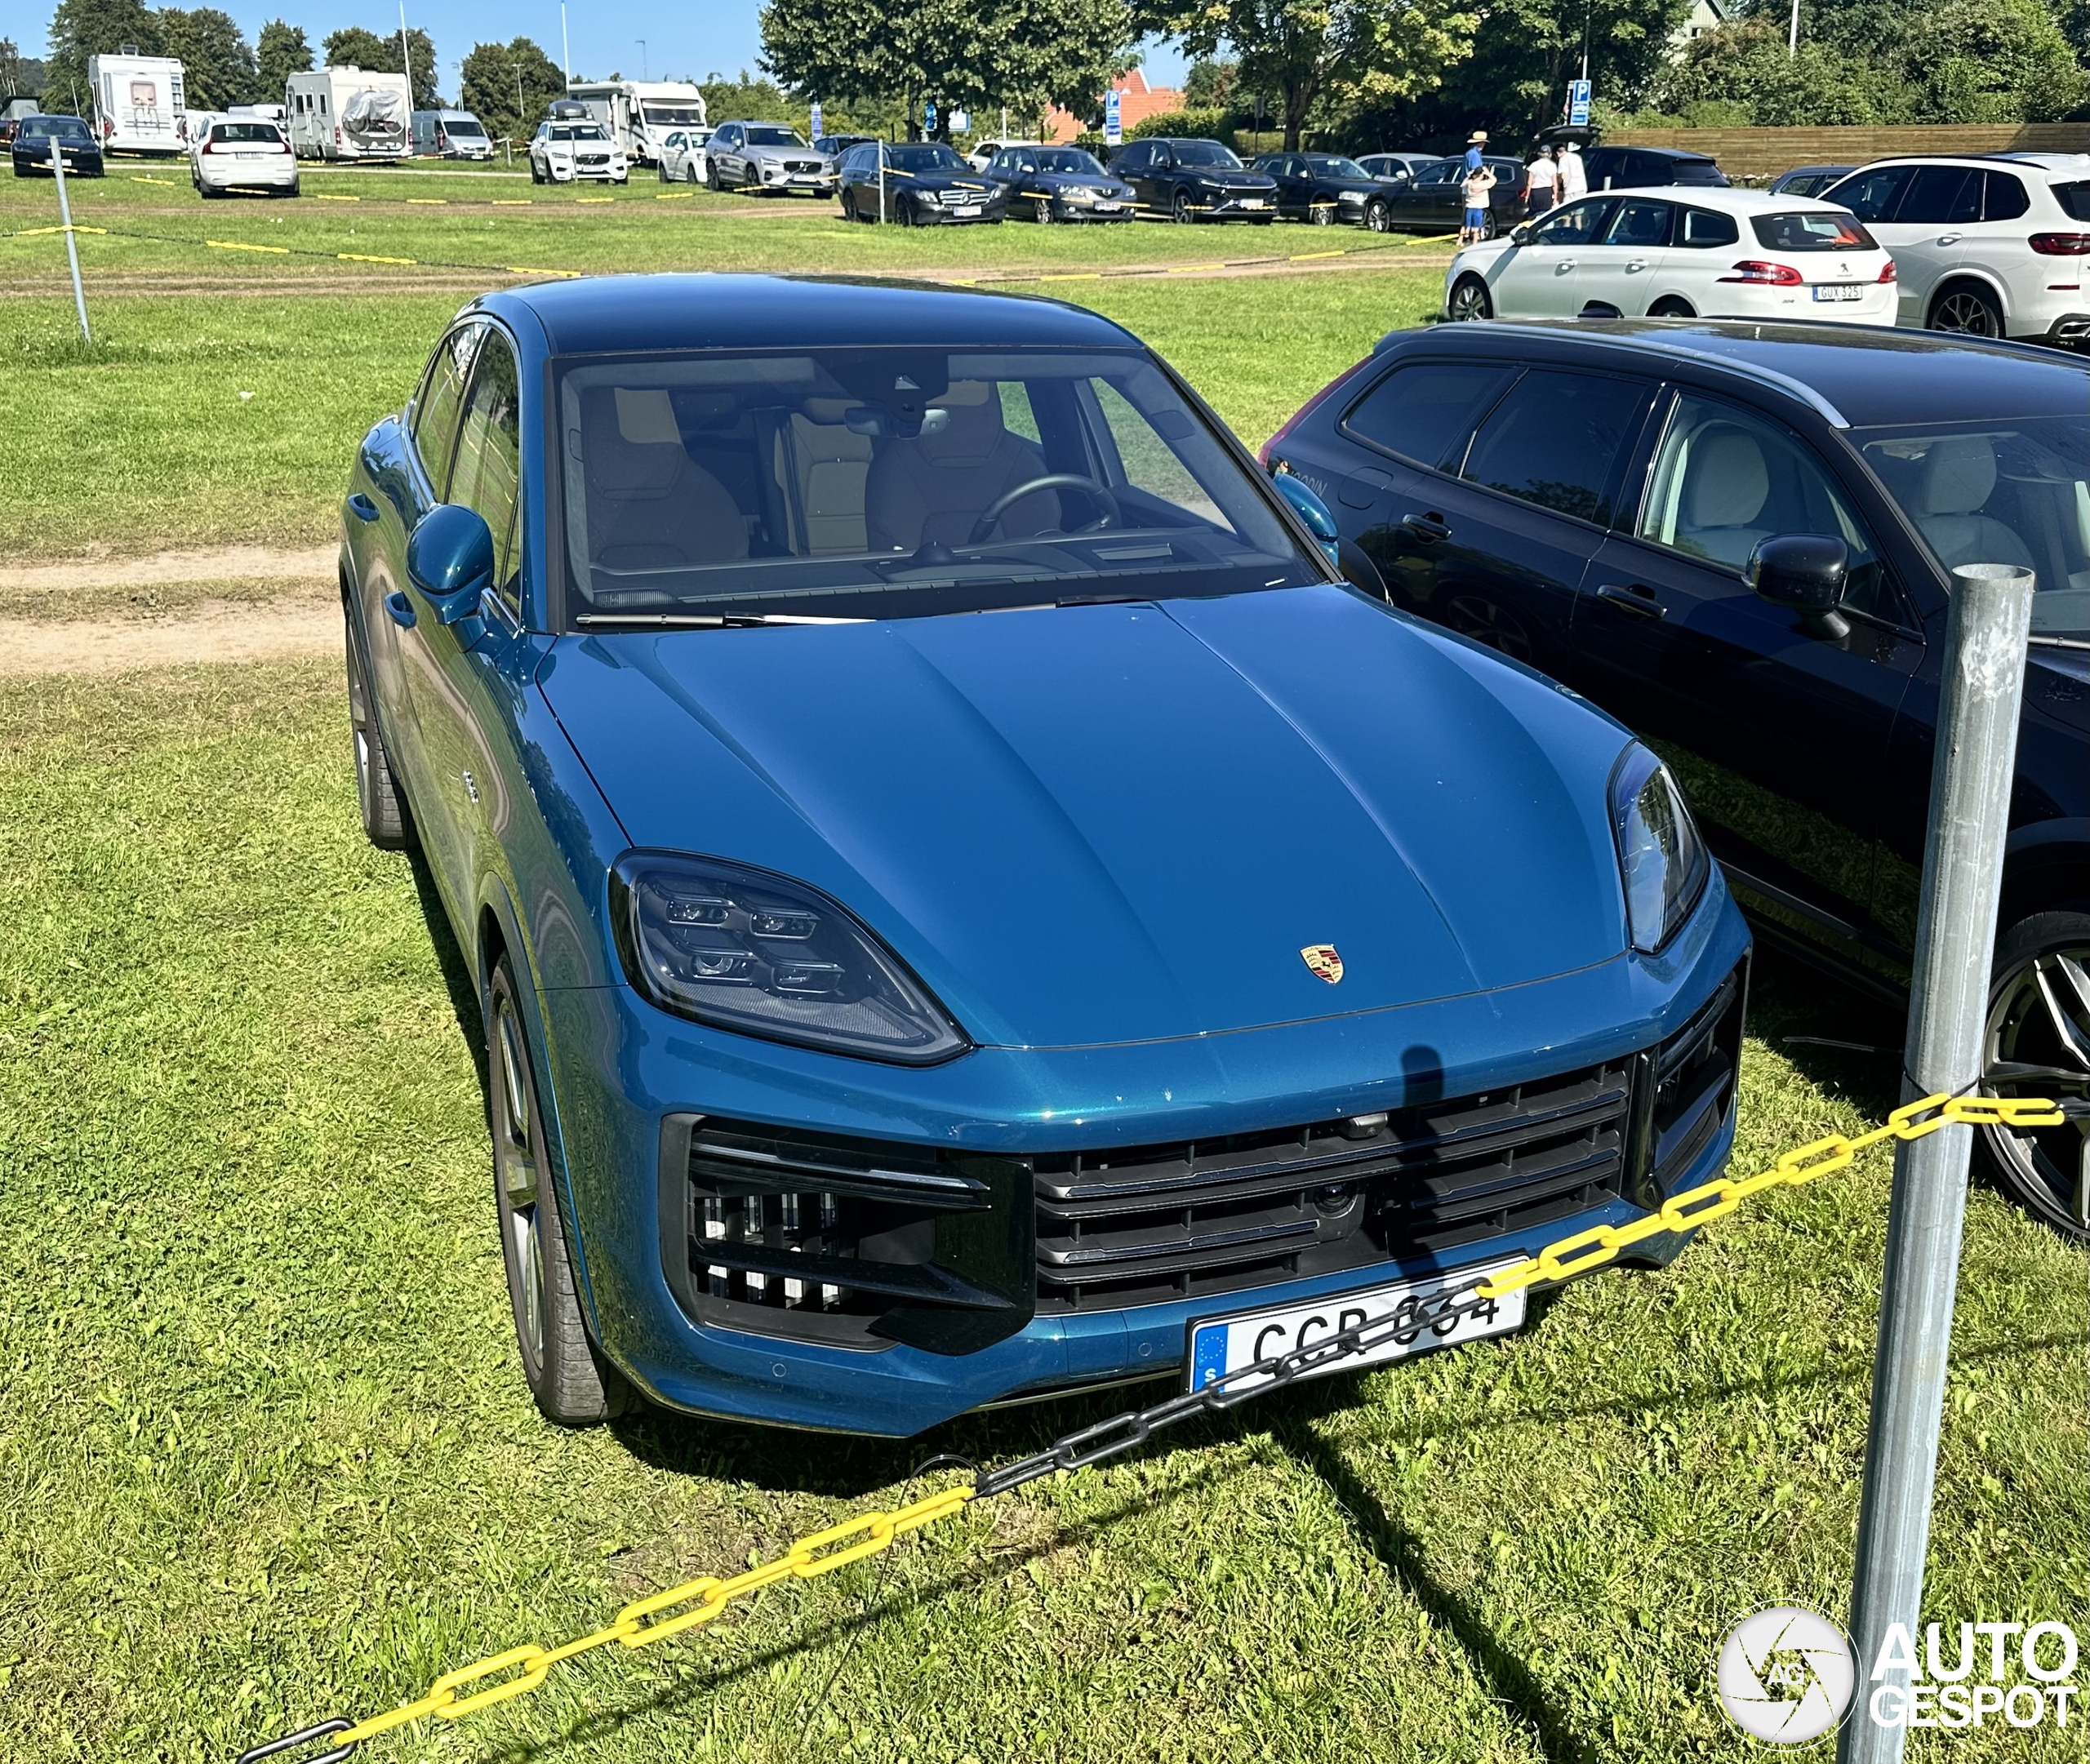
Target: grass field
[(266, 1453)]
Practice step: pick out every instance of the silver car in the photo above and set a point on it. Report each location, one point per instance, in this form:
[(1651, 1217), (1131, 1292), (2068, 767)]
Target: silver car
[(769, 159)]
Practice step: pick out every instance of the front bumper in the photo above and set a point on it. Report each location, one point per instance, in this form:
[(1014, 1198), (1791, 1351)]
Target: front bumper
[(623, 1073)]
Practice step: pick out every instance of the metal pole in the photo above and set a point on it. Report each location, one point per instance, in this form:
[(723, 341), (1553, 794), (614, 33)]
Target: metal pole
[(1971, 776), (565, 48), (72, 244), (1792, 41), (406, 57)]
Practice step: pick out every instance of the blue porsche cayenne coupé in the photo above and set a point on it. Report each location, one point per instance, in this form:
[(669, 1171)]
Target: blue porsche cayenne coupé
[(968, 904)]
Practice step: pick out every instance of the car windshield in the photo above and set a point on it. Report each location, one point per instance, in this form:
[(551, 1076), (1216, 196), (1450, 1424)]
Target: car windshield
[(2013, 492), (929, 157), (1204, 153), (895, 482), (463, 127), (71, 128), (1068, 159), (1823, 229), (577, 131), (670, 116), (1335, 165), (247, 132), (762, 135)]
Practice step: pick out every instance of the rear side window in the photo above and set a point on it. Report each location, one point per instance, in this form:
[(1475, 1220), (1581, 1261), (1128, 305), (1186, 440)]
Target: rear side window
[(2006, 199), (1939, 195), (441, 405), (1704, 171), (1554, 439), (1871, 195), (1426, 412), (1703, 229), (2075, 200), (1811, 232), (1641, 223)]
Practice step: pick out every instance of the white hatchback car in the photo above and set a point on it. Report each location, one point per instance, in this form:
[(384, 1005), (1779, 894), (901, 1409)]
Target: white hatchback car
[(242, 154), (1992, 245), (682, 155), (564, 152), (1671, 252)]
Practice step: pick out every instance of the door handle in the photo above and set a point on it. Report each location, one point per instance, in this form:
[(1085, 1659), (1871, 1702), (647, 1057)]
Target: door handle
[(1425, 527), (364, 509), (400, 608), (1635, 263), (1948, 238), (1637, 597), (1565, 264)]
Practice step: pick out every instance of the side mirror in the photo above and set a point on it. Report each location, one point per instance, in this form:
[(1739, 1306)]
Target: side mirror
[(1804, 573), (1314, 512), (1521, 235), (450, 559)]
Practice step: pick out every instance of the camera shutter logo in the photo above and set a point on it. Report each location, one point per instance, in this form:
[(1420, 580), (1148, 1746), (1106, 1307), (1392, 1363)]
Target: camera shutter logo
[(1786, 1674)]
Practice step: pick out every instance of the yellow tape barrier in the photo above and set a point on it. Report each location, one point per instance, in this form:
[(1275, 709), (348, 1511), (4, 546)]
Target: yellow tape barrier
[(703, 1599)]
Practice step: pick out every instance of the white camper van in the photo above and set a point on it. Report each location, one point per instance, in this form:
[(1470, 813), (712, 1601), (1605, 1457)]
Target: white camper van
[(139, 104), (636, 113), (350, 113)]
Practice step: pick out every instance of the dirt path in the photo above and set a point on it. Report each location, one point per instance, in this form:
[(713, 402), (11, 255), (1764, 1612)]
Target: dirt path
[(232, 563), (213, 632)]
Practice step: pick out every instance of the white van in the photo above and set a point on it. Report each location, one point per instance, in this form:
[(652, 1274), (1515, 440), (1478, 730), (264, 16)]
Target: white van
[(139, 104), (450, 135), (350, 113), (637, 114)]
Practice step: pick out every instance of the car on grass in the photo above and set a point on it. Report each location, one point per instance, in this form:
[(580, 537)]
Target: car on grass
[(1397, 168), (240, 153), (78, 151), (1640, 168), (966, 904), (683, 158), (1050, 184), (834, 146), (917, 184), (1809, 180), (1434, 200), (450, 135), (1191, 181), (767, 159), (983, 153), (576, 150), (1713, 254), (1993, 246), (1325, 188), (1738, 539)]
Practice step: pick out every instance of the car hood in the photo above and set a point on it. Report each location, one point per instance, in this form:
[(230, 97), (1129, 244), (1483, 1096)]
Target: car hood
[(1070, 180), (1102, 824)]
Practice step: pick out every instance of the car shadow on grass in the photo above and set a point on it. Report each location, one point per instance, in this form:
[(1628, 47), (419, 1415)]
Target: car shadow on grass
[(458, 980)]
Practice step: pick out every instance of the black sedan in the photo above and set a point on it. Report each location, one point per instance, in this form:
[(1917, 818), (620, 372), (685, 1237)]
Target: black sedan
[(919, 184), (1434, 201), (78, 149), (1194, 180), (1611, 508), (1052, 183), (1324, 188)]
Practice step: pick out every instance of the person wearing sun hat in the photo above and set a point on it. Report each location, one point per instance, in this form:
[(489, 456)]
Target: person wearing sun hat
[(1476, 143)]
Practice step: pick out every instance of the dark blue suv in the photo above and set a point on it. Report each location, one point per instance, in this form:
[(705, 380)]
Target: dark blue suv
[(1597, 502)]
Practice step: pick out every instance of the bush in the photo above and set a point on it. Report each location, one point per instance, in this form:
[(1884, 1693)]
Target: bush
[(1195, 125)]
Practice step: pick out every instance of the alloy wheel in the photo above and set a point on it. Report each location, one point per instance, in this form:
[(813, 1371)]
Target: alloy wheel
[(1470, 301), (1379, 218), (1184, 215), (514, 1155), (1321, 214), (2037, 1043), (1041, 210), (1966, 313)]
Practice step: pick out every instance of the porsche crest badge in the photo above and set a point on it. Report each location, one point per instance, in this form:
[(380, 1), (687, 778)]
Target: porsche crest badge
[(1323, 959)]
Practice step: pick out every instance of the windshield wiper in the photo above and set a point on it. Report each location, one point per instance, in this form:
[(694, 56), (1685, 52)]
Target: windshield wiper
[(704, 621)]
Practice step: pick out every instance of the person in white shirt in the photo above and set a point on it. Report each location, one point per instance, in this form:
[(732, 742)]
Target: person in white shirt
[(1542, 180), (1574, 181)]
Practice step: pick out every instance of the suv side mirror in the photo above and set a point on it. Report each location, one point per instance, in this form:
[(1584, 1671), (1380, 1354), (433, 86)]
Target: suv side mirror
[(1804, 573), (450, 559), (1314, 512)]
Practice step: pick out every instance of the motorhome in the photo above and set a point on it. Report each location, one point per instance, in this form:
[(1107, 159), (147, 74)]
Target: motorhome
[(450, 135), (139, 104), (350, 113), (636, 113)]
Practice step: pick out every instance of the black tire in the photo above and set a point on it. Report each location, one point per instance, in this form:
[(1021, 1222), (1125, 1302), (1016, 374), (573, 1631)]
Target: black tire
[(1469, 300), (711, 179), (1669, 306), (386, 822), (661, 172), (1041, 210), (2038, 1021), (849, 207), (1180, 211), (1321, 214), (1378, 217), (689, 172), (1968, 309), (536, 177), (573, 1384)]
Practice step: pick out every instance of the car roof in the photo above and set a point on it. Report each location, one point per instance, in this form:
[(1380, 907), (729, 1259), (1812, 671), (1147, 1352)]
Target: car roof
[(1855, 376), (594, 315), (2042, 162), (1665, 153), (1726, 198)]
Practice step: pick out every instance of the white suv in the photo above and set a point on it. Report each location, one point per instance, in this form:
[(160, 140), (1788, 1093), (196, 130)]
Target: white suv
[(565, 152), (1990, 244)]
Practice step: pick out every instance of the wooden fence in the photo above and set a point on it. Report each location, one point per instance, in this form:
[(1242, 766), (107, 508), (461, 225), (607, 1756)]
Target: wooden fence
[(1765, 152)]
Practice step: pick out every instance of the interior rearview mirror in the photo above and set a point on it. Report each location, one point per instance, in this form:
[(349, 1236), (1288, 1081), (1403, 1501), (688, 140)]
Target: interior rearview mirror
[(450, 559), (1314, 512), (1806, 574)]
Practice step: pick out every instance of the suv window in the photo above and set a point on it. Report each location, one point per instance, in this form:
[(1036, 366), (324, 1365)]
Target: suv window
[(1940, 194), (2075, 200), (2006, 199), (1871, 195), (1554, 438), (1134, 159), (1424, 411), (1704, 228), (488, 473), (1726, 480), (440, 404)]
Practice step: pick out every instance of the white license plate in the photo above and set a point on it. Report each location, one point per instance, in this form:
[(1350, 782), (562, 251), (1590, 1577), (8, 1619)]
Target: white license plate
[(1252, 202), (1839, 291), (1222, 1344), (965, 211), (1107, 208)]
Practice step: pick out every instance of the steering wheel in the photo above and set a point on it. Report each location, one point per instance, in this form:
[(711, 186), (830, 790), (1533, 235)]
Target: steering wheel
[(1009, 499)]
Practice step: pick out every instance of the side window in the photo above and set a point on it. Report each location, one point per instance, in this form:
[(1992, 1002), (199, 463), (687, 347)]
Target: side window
[(1554, 438), (1132, 159), (440, 404), (488, 474), (1426, 412), (2007, 200), (1149, 463), (1872, 195), (1940, 194), (1704, 227), (1578, 224), (1641, 223), (1725, 480)]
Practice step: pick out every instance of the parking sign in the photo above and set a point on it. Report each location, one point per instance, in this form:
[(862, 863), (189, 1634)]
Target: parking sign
[(1578, 104), (929, 117), (812, 126), (1114, 130)]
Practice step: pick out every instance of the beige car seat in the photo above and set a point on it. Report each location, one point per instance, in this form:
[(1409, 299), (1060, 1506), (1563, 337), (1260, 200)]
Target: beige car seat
[(650, 505)]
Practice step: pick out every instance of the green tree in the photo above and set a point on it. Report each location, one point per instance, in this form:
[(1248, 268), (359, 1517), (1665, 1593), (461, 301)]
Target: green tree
[(971, 54), (749, 100), (279, 51), (83, 28), (217, 66), (1748, 71), (1992, 61), (509, 86), (1210, 83), (356, 48)]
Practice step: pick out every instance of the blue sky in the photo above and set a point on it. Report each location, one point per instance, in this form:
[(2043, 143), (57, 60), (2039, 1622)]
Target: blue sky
[(716, 36)]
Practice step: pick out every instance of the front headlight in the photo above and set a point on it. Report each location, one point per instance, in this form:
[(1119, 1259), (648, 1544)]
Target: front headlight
[(1661, 858), (751, 951)]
